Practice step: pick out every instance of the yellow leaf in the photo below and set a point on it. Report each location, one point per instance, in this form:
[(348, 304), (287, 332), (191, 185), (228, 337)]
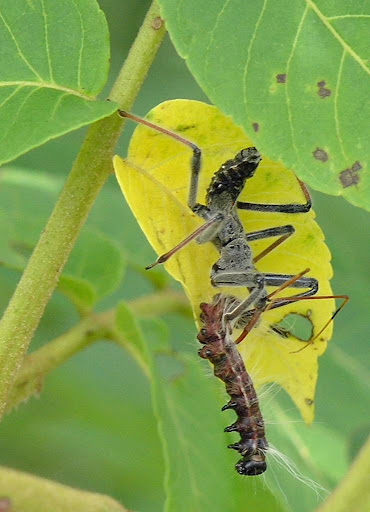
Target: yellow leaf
[(155, 181)]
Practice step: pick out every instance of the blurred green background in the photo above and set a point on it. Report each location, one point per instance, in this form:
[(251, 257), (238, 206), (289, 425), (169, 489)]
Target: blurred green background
[(93, 425)]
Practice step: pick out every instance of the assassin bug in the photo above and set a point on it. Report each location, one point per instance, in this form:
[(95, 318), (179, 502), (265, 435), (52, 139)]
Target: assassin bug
[(221, 351), (236, 264)]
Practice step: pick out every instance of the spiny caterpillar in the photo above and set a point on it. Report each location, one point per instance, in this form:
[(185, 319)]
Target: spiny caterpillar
[(221, 351)]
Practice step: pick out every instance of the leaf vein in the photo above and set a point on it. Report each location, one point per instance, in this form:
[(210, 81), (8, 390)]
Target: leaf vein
[(339, 17), (182, 440), (57, 104), (46, 85), (5, 133), (22, 56), (340, 40), (336, 118), (13, 93), (47, 41), (249, 52), (81, 46), (211, 40), (288, 103)]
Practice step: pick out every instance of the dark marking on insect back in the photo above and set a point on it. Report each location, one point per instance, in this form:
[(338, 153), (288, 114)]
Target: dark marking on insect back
[(323, 92), (308, 401), (255, 127), (281, 78), (350, 177), (321, 155)]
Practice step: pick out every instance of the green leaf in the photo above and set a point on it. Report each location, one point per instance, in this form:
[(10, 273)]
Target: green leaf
[(28, 493), (54, 60), (130, 330), (200, 471), (98, 260), (96, 265), (79, 291), (294, 74), (187, 405)]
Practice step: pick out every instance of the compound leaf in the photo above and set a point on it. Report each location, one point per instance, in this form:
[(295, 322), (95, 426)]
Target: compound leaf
[(155, 181)]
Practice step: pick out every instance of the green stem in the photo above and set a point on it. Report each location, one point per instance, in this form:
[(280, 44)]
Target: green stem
[(41, 362), (166, 301), (353, 493), (29, 493), (90, 171), (36, 366)]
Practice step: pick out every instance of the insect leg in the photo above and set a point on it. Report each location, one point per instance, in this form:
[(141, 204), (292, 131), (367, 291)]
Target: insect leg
[(195, 161), (252, 280), (256, 313), (280, 208), (284, 232), (302, 282), (210, 224)]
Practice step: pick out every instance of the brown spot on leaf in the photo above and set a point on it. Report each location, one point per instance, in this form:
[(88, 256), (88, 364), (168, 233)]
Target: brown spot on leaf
[(320, 154), (281, 78), (157, 23), (308, 401), (323, 92), (350, 177), (255, 127), (356, 167)]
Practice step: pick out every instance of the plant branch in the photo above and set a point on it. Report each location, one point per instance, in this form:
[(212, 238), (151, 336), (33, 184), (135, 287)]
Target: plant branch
[(41, 362), (353, 493), (29, 493), (90, 171)]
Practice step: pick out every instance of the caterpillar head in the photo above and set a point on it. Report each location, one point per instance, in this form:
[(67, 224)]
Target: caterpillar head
[(251, 466)]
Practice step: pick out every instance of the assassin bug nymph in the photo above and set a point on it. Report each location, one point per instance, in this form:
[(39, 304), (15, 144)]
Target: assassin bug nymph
[(222, 227)]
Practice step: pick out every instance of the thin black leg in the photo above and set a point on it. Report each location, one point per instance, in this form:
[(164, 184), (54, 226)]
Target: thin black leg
[(270, 232), (280, 208), (284, 232), (275, 208), (303, 282)]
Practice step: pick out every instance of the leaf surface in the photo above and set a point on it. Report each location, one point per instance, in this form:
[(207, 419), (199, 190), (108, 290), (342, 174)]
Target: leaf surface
[(54, 60), (295, 75), (155, 181), (96, 265), (191, 430)]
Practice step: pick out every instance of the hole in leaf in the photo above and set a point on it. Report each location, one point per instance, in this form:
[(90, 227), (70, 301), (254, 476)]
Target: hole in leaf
[(296, 325)]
